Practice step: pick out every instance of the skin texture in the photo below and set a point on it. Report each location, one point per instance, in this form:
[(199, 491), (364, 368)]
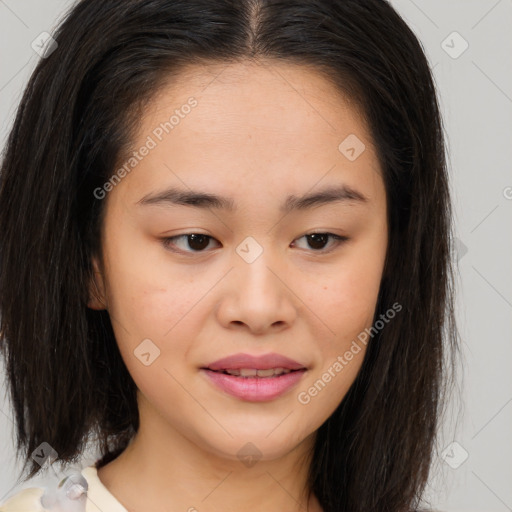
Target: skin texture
[(259, 133)]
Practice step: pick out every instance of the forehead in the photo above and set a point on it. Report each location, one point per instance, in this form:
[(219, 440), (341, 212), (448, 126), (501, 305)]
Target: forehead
[(265, 95), (253, 125)]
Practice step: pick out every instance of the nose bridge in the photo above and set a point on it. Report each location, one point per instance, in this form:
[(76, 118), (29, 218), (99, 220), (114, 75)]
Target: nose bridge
[(256, 294), (254, 263)]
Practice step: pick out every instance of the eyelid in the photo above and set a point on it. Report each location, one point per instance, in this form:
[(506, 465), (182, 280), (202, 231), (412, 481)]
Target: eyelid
[(339, 240)]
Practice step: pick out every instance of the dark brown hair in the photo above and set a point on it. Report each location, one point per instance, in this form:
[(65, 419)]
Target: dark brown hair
[(78, 113)]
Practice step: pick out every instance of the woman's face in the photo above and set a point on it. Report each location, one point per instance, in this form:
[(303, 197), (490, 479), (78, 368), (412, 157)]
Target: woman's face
[(250, 282)]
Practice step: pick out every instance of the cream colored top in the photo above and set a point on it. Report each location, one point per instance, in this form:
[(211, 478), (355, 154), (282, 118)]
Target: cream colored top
[(99, 499)]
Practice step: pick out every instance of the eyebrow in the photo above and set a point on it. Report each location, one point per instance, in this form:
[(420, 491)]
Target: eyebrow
[(197, 199)]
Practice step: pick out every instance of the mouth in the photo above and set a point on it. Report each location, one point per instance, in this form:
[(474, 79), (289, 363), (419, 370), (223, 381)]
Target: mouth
[(254, 387), (254, 378), (249, 363), (247, 373)]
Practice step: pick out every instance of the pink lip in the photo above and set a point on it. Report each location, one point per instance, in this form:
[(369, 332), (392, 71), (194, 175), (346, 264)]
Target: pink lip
[(254, 389), (272, 360)]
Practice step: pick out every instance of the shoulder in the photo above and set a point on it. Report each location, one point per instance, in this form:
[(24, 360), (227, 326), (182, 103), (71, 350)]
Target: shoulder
[(80, 491), (68, 494), (26, 500)]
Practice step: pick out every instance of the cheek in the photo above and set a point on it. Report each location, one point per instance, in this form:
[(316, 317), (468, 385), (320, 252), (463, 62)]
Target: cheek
[(146, 294), (153, 327), (165, 314), (346, 298), (150, 299), (346, 307)]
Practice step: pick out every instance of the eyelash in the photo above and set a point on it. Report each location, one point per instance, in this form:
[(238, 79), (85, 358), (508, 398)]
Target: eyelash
[(167, 242)]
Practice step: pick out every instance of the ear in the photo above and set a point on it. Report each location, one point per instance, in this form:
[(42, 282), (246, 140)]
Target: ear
[(97, 297)]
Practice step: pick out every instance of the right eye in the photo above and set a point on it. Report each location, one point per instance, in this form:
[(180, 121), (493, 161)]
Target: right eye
[(195, 241)]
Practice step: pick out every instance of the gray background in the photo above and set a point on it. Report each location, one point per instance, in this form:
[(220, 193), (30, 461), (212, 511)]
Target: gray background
[(475, 91)]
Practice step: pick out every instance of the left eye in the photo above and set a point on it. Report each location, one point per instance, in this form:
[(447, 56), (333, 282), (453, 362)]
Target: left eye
[(198, 242), (319, 239)]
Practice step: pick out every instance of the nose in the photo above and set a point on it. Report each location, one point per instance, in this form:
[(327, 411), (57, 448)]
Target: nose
[(257, 295)]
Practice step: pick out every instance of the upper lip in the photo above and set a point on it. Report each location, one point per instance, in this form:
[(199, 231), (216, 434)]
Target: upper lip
[(263, 362)]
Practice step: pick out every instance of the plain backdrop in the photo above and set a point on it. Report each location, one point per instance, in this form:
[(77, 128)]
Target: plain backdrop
[(468, 44)]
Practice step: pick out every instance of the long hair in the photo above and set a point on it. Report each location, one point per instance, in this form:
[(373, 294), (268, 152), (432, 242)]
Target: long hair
[(75, 121)]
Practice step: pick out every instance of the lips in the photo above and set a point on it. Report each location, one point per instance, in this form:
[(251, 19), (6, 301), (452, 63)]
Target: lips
[(248, 362), (252, 372), (255, 378)]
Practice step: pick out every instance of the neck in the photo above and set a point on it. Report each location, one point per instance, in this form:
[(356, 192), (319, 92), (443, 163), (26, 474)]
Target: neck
[(162, 470)]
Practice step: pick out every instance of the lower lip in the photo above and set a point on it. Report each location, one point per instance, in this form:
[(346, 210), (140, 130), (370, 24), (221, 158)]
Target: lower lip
[(255, 389)]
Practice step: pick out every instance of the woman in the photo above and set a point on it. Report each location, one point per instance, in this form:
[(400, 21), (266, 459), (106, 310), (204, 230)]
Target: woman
[(226, 258)]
